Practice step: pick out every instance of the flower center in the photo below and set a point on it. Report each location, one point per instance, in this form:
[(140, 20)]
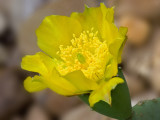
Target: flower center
[(86, 53)]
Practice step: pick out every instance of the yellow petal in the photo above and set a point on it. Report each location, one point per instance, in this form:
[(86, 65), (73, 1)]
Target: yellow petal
[(115, 39), (95, 18), (40, 63), (62, 85), (109, 13), (34, 84), (78, 79), (123, 32), (104, 91), (111, 69), (55, 31), (90, 18)]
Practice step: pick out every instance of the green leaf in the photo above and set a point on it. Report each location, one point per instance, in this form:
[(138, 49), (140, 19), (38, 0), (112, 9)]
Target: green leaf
[(147, 110), (121, 103)]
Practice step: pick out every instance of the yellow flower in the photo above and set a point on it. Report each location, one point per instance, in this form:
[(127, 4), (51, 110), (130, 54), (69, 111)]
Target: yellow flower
[(81, 55)]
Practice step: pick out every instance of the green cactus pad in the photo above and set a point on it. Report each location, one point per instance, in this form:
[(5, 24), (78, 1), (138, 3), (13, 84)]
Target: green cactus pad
[(147, 110)]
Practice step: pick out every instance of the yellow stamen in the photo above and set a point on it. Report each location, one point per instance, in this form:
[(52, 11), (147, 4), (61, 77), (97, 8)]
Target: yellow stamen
[(86, 53)]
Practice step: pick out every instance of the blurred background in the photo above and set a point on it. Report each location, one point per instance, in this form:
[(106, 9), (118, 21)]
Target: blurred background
[(18, 21)]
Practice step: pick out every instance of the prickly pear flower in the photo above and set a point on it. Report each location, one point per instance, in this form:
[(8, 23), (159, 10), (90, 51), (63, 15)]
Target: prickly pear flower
[(80, 55)]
